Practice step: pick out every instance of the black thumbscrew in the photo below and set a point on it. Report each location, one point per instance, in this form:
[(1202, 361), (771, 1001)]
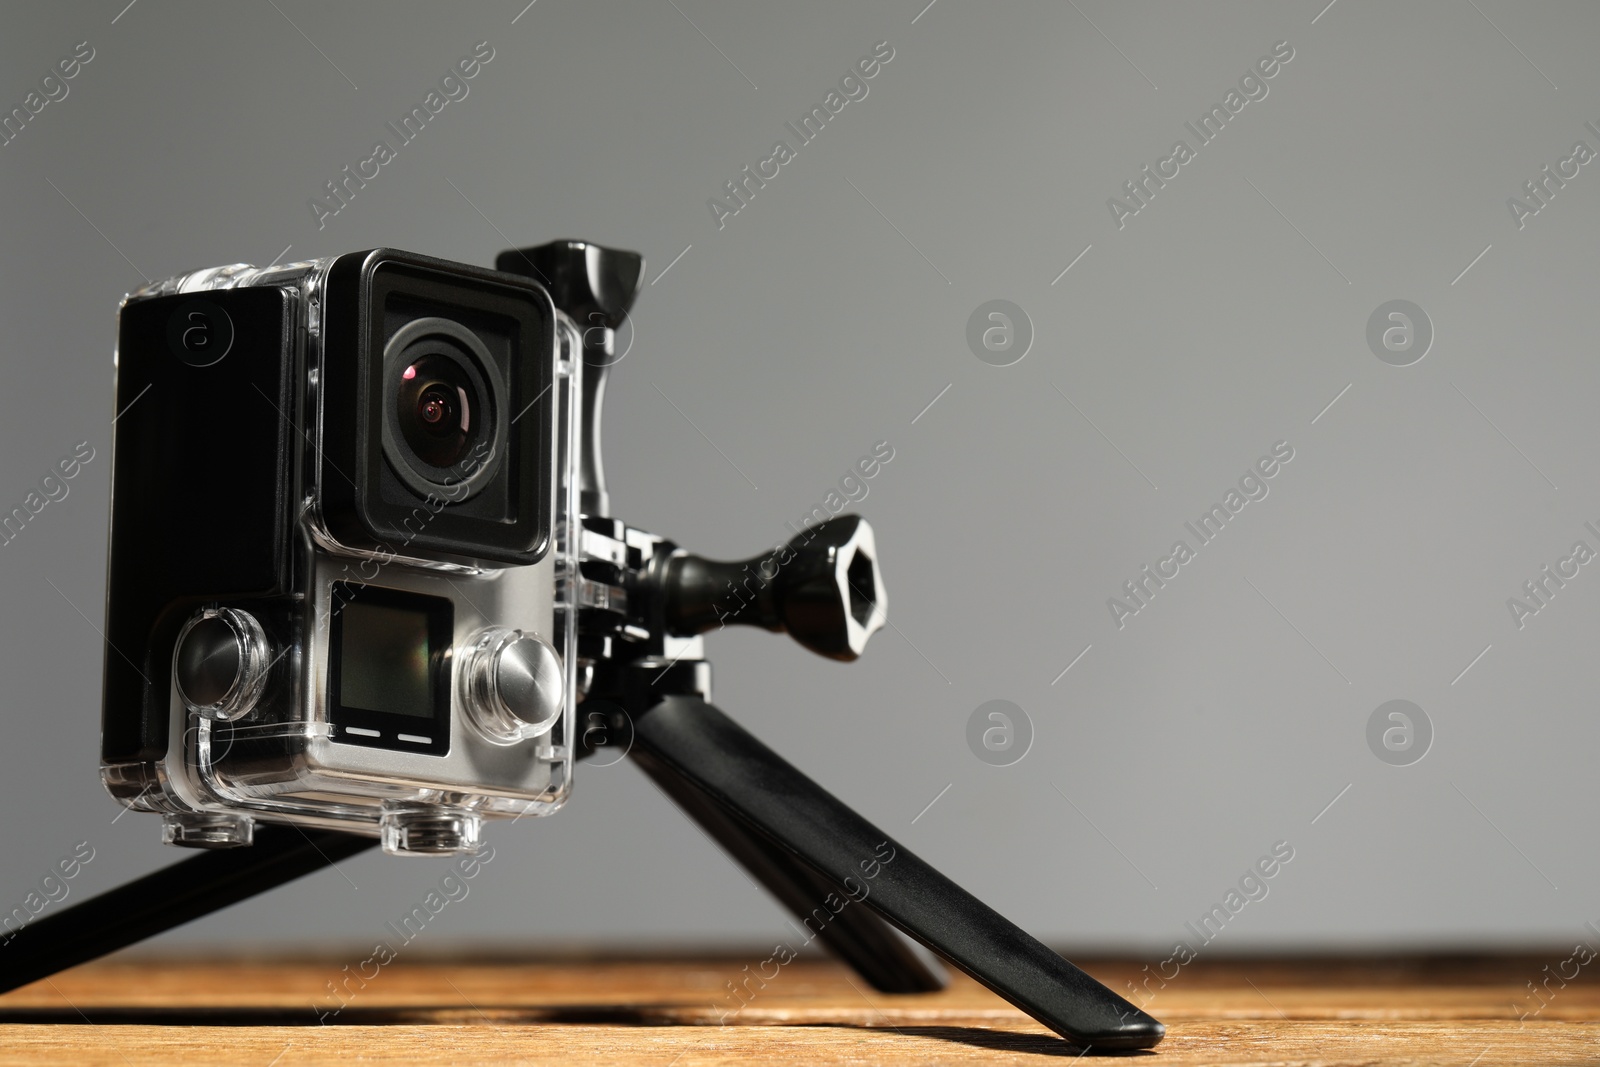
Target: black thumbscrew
[(824, 588)]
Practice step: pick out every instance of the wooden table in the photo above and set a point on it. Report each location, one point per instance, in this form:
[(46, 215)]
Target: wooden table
[(678, 1012)]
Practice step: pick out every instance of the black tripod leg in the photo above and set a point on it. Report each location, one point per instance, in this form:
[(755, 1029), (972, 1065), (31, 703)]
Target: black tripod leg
[(855, 935), (748, 778), (170, 897)]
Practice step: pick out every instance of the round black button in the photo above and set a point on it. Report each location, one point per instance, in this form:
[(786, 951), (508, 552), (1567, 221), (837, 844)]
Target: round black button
[(221, 663), (209, 662)]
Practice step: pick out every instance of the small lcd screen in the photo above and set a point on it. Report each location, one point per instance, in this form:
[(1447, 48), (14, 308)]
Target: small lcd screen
[(383, 663)]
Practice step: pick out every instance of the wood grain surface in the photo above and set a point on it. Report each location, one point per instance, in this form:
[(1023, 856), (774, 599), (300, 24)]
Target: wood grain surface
[(679, 1013)]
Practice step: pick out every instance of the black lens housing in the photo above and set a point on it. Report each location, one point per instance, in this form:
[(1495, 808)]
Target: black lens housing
[(483, 347)]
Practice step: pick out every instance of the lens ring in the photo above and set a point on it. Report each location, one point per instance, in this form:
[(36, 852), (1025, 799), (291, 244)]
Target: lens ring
[(460, 376)]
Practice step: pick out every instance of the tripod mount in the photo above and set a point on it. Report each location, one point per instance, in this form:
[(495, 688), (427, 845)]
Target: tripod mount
[(643, 606)]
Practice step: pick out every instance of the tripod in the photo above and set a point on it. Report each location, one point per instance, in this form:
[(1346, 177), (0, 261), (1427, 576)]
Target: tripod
[(642, 606)]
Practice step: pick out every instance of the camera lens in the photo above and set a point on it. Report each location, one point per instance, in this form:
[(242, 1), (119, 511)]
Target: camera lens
[(437, 411), (440, 424)]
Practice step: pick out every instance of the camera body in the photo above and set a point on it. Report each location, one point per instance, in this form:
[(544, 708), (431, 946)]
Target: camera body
[(344, 497)]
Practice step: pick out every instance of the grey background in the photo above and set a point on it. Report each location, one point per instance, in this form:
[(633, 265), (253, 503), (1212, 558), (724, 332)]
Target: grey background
[(1223, 318)]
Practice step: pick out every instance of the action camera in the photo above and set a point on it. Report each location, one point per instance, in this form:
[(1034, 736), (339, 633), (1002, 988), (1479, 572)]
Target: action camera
[(338, 489)]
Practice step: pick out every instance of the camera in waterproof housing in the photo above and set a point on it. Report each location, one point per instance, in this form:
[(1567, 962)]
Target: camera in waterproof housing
[(364, 569), (340, 497)]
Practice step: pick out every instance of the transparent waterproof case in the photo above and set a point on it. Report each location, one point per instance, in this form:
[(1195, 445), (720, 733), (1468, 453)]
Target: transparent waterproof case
[(342, 492)]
